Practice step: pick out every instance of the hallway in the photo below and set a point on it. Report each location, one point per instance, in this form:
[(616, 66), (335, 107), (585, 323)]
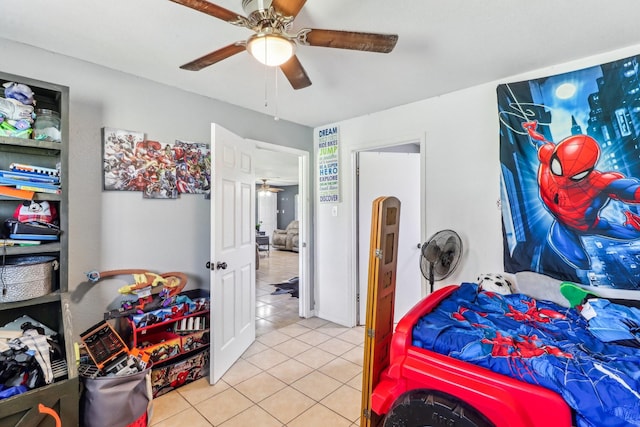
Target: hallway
[(275, 311)]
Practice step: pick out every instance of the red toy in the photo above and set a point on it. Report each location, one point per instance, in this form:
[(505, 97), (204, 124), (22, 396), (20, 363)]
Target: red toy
[(452, 392)]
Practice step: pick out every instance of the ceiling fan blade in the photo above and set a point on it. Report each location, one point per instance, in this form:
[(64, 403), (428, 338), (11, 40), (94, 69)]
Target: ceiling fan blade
[(295, 73), (210, 9), (369, 42), (288, 7), (213, 57)]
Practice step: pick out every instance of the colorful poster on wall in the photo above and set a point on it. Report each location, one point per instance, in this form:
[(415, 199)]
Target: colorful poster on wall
[(329, 164), (119, 158), (158, 170), (193, 167), (570, 188)]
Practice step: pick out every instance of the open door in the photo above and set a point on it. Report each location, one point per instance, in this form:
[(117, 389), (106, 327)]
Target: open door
[(405, 185), (232, 263)]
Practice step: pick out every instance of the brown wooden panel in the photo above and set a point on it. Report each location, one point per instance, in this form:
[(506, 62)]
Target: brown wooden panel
[(22, 410), (383, 258)]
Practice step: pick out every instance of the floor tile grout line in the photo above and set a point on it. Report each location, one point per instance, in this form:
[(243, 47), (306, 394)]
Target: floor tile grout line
[(266, 397), (326, 407)]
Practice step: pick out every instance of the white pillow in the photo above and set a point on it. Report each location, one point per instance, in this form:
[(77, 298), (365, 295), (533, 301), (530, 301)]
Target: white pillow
[(541, 287)]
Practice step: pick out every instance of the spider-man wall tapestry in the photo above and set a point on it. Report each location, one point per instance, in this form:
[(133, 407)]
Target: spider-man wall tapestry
[(570, 182)]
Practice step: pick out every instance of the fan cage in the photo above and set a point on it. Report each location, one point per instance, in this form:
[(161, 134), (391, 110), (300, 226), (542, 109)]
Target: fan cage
[(447, 261)]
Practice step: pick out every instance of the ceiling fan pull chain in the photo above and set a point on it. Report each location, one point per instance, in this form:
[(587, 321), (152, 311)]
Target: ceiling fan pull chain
[(275, 97), (266, 69)]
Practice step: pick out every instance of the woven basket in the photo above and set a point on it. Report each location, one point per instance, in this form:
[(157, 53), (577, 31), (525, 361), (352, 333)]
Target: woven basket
[(27, 277)]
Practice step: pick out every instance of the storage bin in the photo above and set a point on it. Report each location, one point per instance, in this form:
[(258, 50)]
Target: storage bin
[(123, 400), (176, 374), (165, 346), (194, 340), (26, 277)]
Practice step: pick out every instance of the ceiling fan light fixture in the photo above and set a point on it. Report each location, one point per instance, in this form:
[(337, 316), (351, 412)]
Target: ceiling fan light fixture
[(270, 49)]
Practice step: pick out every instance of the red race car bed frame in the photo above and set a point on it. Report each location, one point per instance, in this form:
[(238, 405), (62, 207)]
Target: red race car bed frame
[(428, 387)]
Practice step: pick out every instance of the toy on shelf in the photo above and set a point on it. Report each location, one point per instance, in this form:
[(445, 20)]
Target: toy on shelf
[(168, 286), (181, 307)]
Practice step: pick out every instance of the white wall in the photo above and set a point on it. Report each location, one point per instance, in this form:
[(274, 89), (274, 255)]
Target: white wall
[(114, 230), (462, 178)]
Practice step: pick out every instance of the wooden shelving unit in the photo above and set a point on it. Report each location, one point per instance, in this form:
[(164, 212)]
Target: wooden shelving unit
[(53, 309)]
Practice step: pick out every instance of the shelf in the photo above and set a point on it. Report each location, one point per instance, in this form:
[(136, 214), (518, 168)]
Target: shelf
[(37, 197), (144, 330), (22, 410), (30, 250), (52, 297), (30, 146), (52, 309)]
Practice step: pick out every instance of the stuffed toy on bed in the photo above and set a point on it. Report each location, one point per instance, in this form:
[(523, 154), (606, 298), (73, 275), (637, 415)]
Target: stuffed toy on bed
[(538, 286), (494, 282)]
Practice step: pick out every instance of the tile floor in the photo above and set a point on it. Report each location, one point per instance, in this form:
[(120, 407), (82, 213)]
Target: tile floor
[(298, 372)]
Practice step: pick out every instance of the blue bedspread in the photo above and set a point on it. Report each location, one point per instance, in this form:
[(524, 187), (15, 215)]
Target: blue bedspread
[(541, 343)]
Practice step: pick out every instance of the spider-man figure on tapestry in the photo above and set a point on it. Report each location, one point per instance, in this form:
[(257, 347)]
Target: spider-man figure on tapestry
[(574, 192)]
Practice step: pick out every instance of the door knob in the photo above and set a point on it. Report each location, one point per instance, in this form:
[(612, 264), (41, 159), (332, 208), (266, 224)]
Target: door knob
[(219, 266)]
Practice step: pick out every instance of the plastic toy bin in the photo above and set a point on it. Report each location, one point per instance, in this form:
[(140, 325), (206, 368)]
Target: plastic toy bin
[(165, 345)]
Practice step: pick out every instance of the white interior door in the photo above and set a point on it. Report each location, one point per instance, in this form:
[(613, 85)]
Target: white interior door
[(233, 295), (268, 212), (397, 175)]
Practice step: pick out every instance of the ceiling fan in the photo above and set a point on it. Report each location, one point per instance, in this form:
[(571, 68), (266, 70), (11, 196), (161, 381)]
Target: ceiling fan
[(273, 45), (267, 187)]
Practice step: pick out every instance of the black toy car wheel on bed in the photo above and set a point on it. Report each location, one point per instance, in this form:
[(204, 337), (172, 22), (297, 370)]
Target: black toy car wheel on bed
[(425, 408)]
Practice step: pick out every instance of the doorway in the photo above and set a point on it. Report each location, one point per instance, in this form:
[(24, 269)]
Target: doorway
[(398, 171), (285, 168)]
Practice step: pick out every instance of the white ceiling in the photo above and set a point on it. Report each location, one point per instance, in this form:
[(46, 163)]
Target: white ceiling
[(276, 167), (443, 46)]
